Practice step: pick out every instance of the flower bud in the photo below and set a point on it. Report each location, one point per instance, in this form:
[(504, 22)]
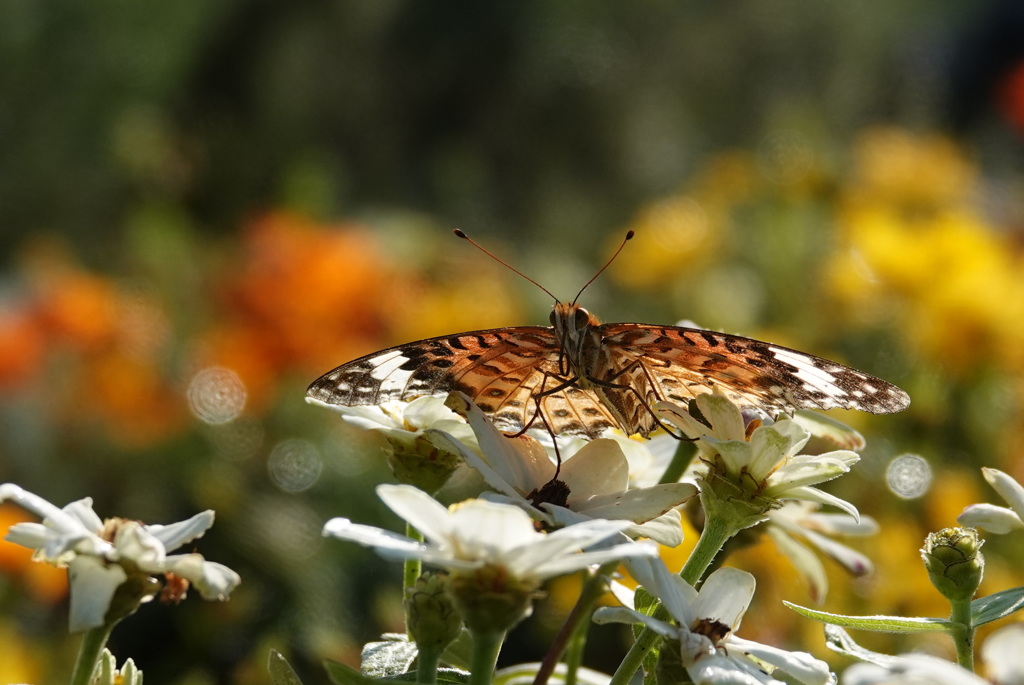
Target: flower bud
[(954, 562), (490, 600), (430, 613), (418, 462)]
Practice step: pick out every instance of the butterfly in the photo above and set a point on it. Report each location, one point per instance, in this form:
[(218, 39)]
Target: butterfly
[(580, 376)]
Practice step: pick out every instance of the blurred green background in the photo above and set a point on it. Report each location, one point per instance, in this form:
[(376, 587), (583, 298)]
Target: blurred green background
[(204, 206)]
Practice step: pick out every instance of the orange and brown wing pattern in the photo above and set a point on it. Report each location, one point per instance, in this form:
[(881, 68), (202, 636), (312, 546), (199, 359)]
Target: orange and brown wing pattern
[(503, 370), (685, 362)]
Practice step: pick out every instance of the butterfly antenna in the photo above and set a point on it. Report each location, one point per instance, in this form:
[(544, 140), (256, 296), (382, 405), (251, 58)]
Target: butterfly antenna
[(629, 236), (461, 234)]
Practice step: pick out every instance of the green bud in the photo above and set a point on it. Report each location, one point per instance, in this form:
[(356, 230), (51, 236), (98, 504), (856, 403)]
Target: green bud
[(430, 613), (736, 500), (954, 562), (490, 600), (417, 462)]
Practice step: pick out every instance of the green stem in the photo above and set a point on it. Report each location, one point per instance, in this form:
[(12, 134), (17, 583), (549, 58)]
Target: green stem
[(486, 645), (93, 643), (963, 633), (412, 568), (716, 533), (426, 664), (686, 450), (572, 636)]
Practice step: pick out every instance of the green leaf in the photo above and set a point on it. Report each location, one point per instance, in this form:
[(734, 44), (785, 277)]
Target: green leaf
[(996, 606), (524, 674), (340, 674), (881, 624), (280, 670), (392, 656), (459, 653)]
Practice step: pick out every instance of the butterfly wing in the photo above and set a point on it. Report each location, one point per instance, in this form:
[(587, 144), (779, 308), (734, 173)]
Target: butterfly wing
[(677, 364), (502, 370)]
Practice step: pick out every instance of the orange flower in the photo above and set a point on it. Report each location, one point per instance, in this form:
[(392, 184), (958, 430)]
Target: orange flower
[(303, 297), (22, 346)]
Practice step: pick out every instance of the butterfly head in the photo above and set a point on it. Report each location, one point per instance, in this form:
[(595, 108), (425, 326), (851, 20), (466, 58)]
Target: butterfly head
[(572, 323)]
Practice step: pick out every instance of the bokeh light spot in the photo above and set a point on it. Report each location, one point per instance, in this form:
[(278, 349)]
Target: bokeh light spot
[(909, 476), (294, 465), (216, 395)]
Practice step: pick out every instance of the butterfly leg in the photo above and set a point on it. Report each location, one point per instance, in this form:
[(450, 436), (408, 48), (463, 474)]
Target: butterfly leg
[(627, 387)]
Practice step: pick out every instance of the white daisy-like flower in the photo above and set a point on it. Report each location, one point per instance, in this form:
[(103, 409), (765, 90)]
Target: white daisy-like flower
[(495, 554), (478, 533), (757, 465), (799, 528), (706, 622), (996, 519), (592, 483), (102, 555), (402, 422), (412, 458)]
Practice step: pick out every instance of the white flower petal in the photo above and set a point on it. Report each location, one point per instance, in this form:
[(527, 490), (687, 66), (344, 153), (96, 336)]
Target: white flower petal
[(522, 461), (493, 478), (822, 497), (569, 563), (828, 428), (801, 472), (175, 535), (770, 445), (638, 505), (427, 515), (719, 669), (725, 418), (134, 542), (1009, 489), (805, 561), (994, 519), (213, 581), (852, 560), (599, 468), (82, 511), (666, 529), (801, 665), (725, 596), (1003, 653), (911, 669), (384, 541), (93, 584), (605, 615), (491, 532)]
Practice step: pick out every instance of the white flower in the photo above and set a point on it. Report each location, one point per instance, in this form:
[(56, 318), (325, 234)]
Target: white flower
[(478, 533), (911, 669), (706, 624), (796, 521), (759, 462), (404, 421), (993, 518), (101, 555), (592, 483)]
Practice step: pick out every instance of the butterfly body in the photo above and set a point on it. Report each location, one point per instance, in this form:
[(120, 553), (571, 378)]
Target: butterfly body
[(580, 376)]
